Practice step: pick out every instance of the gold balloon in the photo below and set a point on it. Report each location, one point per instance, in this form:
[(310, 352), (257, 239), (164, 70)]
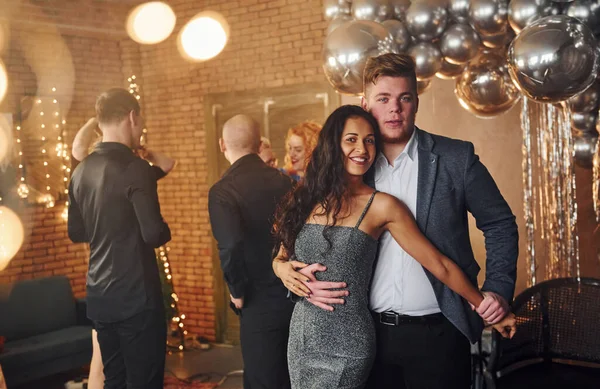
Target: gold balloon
[(484, 88), (449, 70), (346, 50), (423, 86)]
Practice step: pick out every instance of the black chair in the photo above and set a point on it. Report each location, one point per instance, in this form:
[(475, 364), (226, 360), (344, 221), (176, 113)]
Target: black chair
[(557, 344)]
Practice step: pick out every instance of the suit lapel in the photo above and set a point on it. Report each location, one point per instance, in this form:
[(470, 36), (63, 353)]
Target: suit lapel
[(428, 162)]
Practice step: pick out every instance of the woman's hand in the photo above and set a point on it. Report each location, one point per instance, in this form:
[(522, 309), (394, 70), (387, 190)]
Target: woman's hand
[(292, 280), (507, 327)]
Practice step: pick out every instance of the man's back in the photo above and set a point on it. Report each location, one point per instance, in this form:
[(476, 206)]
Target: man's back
[(114, 207), (242, 205)]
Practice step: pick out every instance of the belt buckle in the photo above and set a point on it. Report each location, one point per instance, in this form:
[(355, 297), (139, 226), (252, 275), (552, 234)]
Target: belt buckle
[(387, 314)]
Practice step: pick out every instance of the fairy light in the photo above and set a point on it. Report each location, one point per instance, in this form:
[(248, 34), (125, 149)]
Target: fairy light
[(134, 89), (47, 197), (62, 151), (23, 189), (177, 318)]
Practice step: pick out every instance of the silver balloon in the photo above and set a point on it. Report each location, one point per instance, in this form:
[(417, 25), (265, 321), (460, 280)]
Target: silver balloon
[(449, 70), (584, 148), (423, 86), (335, 8), (484, 88), (428, 59), (488, 17), (587, 11), (584, 121), (426, 20), (524, 12), (553, 59), (459, 44), (376, 10), (498, 40), (459, 10), (335, 23), (346, 50), (586, 101), (400, 34), (400, 7)]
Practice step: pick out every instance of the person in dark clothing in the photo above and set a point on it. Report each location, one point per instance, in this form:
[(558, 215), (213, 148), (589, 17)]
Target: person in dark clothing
[(113, 205), (241, 207), (84, 142)]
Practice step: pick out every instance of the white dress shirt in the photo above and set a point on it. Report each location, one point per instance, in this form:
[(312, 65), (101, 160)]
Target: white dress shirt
[(399, 281)]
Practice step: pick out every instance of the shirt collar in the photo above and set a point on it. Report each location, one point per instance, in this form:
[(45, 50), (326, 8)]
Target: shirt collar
[(410, 150), (248, 159), (108, 146)]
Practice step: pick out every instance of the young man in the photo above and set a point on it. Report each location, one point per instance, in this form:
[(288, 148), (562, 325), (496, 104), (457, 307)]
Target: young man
[(113, 205), (423, 328), (82, 146), (241, 207)]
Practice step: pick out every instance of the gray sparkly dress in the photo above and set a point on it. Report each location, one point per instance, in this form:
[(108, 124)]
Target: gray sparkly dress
[(328, 350)]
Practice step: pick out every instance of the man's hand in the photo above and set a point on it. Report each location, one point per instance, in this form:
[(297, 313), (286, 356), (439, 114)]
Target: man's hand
[(321, 294), (493, 308), (165, 163), (239, 302)]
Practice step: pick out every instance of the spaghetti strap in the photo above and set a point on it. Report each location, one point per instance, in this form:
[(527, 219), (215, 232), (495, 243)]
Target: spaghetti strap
[(364, 212)]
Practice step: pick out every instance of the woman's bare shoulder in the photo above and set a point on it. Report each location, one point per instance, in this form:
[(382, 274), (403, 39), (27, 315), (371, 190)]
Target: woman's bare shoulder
[(386, 205)]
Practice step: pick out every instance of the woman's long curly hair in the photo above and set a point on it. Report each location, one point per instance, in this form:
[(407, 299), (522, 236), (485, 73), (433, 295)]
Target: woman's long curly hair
[(324, 183), (308, 131)]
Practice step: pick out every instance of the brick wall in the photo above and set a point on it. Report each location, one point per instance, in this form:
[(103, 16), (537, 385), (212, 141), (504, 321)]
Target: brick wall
[(72, 46), (272, 43)]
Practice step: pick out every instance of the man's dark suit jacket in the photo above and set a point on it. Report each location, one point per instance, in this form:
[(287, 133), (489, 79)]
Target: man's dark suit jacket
[(241, 207), (452, 182), (113, 205)]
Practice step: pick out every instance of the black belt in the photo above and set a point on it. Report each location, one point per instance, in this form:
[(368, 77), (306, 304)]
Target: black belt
[(394, 319)]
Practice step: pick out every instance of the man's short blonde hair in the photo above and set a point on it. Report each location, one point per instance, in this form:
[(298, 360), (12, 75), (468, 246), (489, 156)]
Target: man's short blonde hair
[(391, 65), (114, 105)]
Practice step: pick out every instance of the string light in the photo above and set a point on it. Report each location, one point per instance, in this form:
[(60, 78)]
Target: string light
[(23, 189), (62, 151), (134, 89), (46, 198), (177, 318)]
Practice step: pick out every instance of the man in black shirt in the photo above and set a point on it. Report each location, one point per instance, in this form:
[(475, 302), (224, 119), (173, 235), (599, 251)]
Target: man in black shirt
[(241, 207), (113, 205)]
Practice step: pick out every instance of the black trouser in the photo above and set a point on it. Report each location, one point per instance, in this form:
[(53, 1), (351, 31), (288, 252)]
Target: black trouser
[(430, 354), (264, 332), (133, 351)]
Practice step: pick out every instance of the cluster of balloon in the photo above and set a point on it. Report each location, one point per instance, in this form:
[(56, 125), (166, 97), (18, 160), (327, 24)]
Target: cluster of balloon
[(495, 50)]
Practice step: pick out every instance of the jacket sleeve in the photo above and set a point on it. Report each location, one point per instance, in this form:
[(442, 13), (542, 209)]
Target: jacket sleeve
[(226, 222), (143, 195), (495, 219)]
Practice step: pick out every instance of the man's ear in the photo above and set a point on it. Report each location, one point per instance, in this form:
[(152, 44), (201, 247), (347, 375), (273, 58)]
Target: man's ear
[(133, 118), (222, 145), (363, 103)]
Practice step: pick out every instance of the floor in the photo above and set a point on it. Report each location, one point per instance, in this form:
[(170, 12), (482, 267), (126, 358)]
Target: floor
[(220, 364)]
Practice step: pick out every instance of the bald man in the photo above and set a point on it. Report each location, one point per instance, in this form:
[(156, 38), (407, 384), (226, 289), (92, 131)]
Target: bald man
[(241, 207)]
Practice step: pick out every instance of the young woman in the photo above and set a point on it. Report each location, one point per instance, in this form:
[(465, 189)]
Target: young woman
[(299, 144), (334, 218)]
